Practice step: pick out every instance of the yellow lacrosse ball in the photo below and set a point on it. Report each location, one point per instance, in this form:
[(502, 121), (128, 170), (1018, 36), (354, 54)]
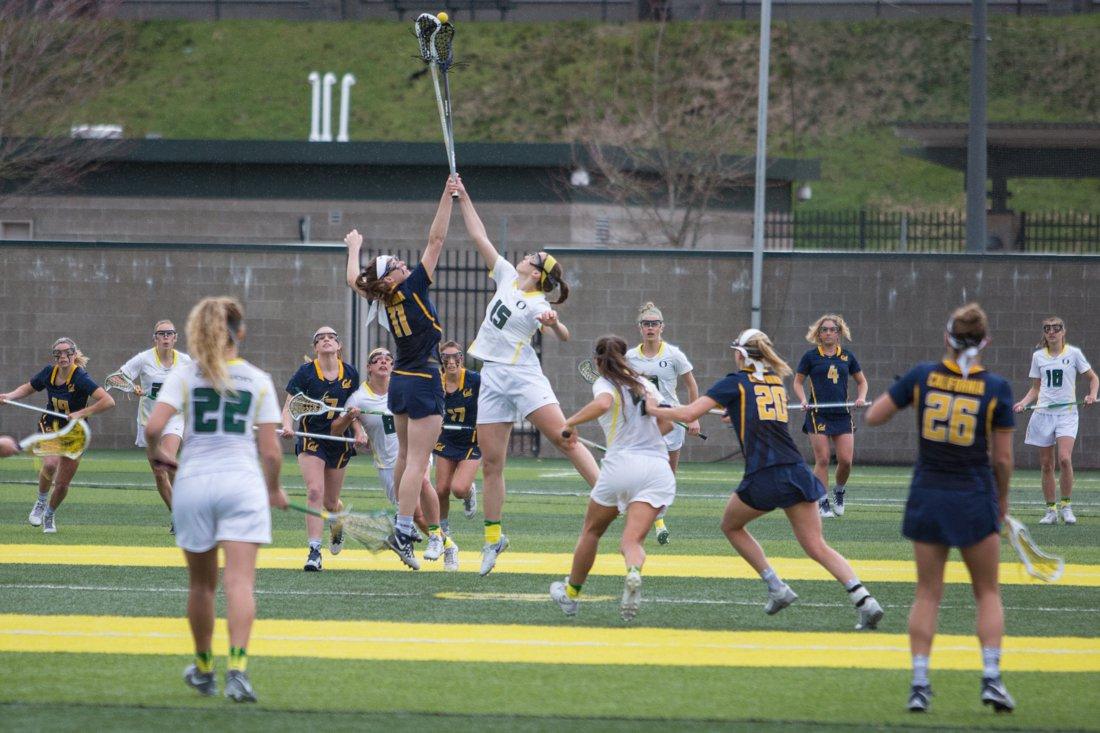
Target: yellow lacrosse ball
[(443, 17)]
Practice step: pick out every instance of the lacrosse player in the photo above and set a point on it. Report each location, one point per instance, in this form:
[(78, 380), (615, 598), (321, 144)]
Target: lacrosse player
[(666, 366), (828, 367), (330, 380), (635, 479), (147, 371), (68, 389), (457, 455), (1054, 369), (220, 497), (416, 388), (512, 382), (956, 499)]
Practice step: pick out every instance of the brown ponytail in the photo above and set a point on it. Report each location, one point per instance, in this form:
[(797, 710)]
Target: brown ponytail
[(969, 325), (212, 327), (555, 278), (611, 363), (369, 285)]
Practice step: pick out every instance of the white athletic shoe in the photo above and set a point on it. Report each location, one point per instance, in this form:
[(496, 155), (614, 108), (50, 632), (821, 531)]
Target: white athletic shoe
[(569, 606), (336, 539), (632, 596), (1068, 517), (450, 558), (469, 504), (870, 613), (35, 517), (48, 525), (435, 546), (838, 503), (779, 599), (1051, 517), (825, 508), (490, 553)]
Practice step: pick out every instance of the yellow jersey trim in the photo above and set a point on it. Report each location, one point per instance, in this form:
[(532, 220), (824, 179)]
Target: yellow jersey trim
[(951, 365), (616, 405), (427, 313), (741, 389), (412, 374), (821, 351), (321, 374)]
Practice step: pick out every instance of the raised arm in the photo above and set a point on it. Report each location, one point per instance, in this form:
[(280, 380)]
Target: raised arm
[(354, 241), (475, 228), (437, 235)]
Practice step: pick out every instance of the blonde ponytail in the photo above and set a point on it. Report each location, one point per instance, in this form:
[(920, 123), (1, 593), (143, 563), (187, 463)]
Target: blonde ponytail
[(759, 347), (212, 326)]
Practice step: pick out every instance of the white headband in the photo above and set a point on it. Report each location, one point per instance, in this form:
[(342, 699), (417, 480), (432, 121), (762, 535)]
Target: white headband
[(967, 348), (739, 345), (381, 263)]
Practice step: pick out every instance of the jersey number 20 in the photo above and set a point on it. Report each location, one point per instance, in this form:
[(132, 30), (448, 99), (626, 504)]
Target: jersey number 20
[(771, 402), (950, 419)]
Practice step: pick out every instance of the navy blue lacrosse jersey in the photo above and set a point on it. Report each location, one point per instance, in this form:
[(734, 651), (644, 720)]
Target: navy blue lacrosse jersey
[(461, 409), (956, 418), (310, 380), (827, 377), (71, 394), (414, 324), (757, 408)]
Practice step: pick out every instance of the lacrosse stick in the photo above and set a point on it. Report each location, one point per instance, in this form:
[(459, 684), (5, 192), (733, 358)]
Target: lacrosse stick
[(584, 441), (70, 441), (588, 373), (1037, 563), (1054, 405), (825, 406), (25, 406), (119, 381), (457, 428), (370, 529), (435, 38), (317, 436)]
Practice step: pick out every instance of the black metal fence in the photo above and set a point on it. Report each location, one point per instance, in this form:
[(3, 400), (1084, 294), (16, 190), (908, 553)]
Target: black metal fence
[(461, 292), (891, 231)]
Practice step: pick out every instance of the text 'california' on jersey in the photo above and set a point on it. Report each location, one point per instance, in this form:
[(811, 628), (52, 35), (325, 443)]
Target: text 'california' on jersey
[(757, 408), (1057, 375), (381, 430), (414, 324), (67, 390), (510, 320), (956, 418), (460, 408), (310, 380), (149, 372), (217, 428), (663, 369), (626, 426), (828, 377)]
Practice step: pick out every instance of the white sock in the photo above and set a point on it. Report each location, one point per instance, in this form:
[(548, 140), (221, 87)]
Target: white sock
[(404, 524), (857, 594), (315, 544), (774, 582), (43, 496), (991, 661), (920, 669)]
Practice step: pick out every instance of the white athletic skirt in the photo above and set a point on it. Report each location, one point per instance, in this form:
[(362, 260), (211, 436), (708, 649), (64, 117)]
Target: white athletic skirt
[(674, 439), (174, 426), (212, 507), (509, 391), (1043, 429), (628, 477)]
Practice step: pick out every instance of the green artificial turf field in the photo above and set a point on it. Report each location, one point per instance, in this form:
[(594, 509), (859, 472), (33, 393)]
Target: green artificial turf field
[(92, 629)]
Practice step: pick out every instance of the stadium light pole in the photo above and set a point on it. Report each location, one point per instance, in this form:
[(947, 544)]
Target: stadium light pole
[(761, 161), (976, 156)]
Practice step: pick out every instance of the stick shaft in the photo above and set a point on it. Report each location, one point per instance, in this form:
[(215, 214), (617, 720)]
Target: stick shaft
[(44, 411), (823, 406), (1055, 404), (318, 436)]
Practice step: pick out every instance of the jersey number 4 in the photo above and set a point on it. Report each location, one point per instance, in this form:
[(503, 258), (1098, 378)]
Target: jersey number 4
[(212, 408), (771, 402), (949, 419), (499, 315)]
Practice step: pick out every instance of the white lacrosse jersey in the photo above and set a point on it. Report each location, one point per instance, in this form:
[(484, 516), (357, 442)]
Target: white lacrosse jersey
[(510, 320), (217, 429), (149, 372), (1057, 375), (663, 370), (624, 425), (380, 428)]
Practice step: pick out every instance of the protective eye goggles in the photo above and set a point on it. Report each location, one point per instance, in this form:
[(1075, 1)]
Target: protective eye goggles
[(456, 357), (1053, 328), (324, 335), (58, 353), (829, 329), (650, 324), (378, 356), (164, 334)]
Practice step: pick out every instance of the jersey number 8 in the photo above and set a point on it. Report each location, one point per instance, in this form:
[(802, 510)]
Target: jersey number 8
[(950, 419)]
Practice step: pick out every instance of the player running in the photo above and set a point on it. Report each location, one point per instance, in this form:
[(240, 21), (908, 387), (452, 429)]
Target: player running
[(223, 491), (1054, 369), (326, 378), (457, 456), (512, 382), (148, 370), (635, 479), (955, 498), (828, 367), (667, 367), (775, 477), (68, 389)]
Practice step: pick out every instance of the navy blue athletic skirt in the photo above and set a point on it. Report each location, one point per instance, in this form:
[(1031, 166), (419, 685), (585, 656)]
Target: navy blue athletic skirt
[(779, 487)]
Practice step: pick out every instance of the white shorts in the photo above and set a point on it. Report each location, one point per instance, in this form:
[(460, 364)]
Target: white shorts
[(174, 426), (674, 439), (1044, 429), (629, 477), (386, 475), (213, 507), (510, 392)]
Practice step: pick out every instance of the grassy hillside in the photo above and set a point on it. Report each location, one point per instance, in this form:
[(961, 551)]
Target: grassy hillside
[(835, 88)]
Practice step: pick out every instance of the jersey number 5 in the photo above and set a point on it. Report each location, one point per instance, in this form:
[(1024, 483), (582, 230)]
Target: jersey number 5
[(771, 402), (499, 315), (950, 419)]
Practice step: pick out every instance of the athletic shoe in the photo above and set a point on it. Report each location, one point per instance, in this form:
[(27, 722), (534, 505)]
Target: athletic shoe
[(206, 684), (434, 548), (489, 554), (663, 536), (1051, 517), (632, 596), (35, 517), (870, 613), (825, 508), (336, 540), (450, 558), (238, 688), (313, 563), (558, 593), (469, 504), (416, 536), (48, 525), (838, 503), (920, 698), (1068, 516), (995, 694), (402, 544), (779, 599)]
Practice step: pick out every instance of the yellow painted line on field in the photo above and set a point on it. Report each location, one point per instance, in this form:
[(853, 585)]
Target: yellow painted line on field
[(532, 563), (559, 644)]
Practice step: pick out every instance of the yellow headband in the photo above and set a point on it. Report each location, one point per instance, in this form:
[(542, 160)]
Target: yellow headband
[(547, 266)]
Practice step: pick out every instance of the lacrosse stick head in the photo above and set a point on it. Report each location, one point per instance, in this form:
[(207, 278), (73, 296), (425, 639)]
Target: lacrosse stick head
[(1036, 562), (370, 529), (588, 372), (424, 26), (120, 382), (302, 405), (443, 46), (70, 441)]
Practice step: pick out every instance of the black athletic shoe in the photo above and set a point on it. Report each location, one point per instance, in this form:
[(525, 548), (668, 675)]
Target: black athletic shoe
[(402, 544), (313, 564), (920, 698), (994, 693)]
